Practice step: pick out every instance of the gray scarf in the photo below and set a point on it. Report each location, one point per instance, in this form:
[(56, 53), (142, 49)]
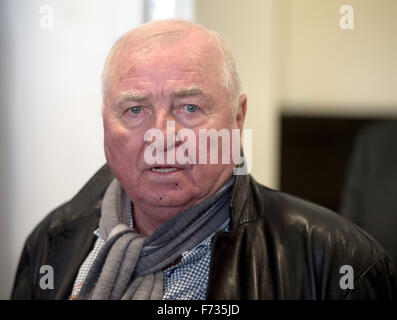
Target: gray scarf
[(129, 266)]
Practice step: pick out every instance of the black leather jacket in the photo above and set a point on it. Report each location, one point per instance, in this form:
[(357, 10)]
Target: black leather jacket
[(278, 247)]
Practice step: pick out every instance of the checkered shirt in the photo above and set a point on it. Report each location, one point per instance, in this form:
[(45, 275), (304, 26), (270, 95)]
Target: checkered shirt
[(187, 280)]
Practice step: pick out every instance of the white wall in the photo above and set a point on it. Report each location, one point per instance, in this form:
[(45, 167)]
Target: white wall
[(328, 70), (51, 127)]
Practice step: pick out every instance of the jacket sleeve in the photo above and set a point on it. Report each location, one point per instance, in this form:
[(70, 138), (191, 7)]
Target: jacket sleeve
[(23, 283), (30, 261), (378, 282)]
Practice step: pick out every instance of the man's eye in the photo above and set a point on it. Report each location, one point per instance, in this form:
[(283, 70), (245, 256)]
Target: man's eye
[(190, 108), (135, 110)]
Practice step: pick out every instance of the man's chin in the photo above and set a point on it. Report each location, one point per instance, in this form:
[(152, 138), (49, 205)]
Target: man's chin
[(164, 197)]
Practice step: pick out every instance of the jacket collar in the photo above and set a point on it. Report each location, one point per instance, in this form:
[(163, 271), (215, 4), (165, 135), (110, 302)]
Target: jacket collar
[(244, 203), (84, 200)]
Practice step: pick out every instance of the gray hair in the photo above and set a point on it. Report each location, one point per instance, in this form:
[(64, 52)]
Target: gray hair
[(231, 79)]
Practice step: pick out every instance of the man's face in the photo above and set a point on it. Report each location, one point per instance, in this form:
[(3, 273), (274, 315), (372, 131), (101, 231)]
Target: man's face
[(178, 81)]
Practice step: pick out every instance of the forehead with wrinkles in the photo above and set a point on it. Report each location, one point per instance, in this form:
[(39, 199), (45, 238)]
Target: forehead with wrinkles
[(190, 42)]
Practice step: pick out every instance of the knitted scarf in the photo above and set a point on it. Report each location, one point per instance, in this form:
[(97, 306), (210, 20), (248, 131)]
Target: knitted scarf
[(130, 266)]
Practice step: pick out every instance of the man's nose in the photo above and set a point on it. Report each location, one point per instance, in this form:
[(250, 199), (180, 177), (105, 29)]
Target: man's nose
[(166, 123)]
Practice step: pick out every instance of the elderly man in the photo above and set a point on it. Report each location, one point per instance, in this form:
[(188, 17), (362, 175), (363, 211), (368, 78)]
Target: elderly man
[(164, 229)]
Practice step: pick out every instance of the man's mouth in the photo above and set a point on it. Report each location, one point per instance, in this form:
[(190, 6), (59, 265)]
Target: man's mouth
[(164, 169)]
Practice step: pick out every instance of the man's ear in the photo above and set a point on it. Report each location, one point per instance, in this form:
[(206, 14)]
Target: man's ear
[(241, 111)]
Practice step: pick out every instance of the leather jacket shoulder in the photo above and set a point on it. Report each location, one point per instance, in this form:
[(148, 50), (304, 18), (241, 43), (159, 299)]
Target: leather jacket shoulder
[(278, 247), (62, 240), (283, 247)]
